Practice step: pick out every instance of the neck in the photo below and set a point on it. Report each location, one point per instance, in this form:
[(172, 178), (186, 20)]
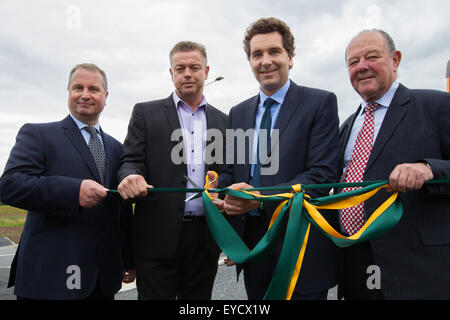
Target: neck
[(192, 100)]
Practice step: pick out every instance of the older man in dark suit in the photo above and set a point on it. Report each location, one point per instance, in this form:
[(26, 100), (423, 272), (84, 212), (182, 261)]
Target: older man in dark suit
[(403, 135), (72, 245)]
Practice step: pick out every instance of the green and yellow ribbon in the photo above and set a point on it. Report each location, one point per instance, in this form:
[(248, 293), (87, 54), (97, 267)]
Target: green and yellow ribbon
[(298, 211)]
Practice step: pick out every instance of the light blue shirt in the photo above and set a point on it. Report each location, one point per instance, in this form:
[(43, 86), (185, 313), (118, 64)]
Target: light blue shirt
[(86, 135), (274, 112), (378, 114)]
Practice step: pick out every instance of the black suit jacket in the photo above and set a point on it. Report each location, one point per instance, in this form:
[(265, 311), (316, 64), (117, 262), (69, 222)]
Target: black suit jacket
[(414, 256), (308, 154), (43, 175), (158, 219)]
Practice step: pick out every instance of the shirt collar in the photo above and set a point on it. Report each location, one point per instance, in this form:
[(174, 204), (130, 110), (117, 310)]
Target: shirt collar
[(81, 125), (386, 99), (277, 96), (177, 100)]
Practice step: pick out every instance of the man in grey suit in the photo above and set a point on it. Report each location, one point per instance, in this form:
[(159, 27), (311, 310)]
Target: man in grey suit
[(409, 144)]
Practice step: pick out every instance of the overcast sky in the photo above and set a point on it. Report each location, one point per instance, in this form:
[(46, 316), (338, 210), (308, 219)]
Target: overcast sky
[(40, 41)]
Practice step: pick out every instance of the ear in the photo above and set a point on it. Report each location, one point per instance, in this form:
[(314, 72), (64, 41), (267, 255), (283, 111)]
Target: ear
[(291, 62), (206, 72), (396, 59), (171, 73)]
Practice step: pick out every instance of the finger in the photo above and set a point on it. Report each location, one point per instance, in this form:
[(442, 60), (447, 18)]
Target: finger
[(393, 179), (141, 188), (412, 182), (212, 177)]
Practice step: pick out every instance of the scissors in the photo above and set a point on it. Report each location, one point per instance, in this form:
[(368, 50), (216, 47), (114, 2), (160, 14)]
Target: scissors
[(199, 194)]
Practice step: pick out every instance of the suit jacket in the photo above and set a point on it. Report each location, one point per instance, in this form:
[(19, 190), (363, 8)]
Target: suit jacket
[(413, 256), (147, 151), (61, 241), (308, 154)]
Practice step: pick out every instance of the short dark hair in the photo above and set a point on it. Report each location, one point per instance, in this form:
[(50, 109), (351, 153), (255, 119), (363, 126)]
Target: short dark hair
[(90, 67), (268, 25), (187, 46)]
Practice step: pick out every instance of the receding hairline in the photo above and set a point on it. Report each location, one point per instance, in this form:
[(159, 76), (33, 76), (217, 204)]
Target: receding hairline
[(91, 67), (188, 46), (388, 41)]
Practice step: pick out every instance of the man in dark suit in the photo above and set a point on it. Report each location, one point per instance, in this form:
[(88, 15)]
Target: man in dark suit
[(175, 254), (72, 245), (409, 144), (305, 151)]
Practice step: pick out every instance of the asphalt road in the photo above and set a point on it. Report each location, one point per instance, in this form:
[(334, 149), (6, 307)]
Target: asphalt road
[(226, 287)]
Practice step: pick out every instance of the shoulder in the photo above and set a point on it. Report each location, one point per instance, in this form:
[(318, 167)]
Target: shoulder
[(153, 105), (111, 139), (216, 111), (217, 114), (243, 106), (310, 92), (41, 127), (430, 95)]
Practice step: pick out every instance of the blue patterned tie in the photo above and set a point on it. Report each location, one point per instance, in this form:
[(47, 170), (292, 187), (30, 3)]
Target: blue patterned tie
[(95, 145)]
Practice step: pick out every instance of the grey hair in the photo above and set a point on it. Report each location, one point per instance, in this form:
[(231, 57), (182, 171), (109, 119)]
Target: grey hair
[(388, 41)]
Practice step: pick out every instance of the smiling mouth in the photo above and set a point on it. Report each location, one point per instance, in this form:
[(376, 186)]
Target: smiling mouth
[(267, 71), (85, 104)]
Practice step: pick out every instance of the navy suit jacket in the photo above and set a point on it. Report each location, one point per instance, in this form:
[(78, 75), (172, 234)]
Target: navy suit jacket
[(308, 148), (415, 256), (60, 239)]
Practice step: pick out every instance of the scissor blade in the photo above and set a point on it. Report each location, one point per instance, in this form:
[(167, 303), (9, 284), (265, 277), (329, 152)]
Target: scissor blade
[(192, 182), (194, 196)]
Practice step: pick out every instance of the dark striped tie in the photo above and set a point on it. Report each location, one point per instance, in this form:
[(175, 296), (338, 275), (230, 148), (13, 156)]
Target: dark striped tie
[(264, 129), (95, 145), (266, 125)]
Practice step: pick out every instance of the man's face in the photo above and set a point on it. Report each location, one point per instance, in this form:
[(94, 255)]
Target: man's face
[(87, 97), (371, 68), (269, 61), (189, 72)]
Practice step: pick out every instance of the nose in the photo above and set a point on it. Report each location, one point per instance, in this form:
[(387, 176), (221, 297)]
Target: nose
[(85, 94), (363, 65), (266, 59), (187, 73)]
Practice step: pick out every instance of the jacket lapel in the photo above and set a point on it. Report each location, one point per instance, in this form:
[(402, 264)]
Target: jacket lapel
[(72, 132), (345, 131), (107, 146), (290, 105), (394, 115), (171, 114), (248, 122)]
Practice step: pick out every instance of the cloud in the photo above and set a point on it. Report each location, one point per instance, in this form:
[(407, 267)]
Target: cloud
[(40, 41)]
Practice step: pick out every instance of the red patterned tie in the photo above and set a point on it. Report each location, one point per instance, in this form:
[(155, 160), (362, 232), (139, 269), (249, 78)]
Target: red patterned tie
[(353, 218)]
